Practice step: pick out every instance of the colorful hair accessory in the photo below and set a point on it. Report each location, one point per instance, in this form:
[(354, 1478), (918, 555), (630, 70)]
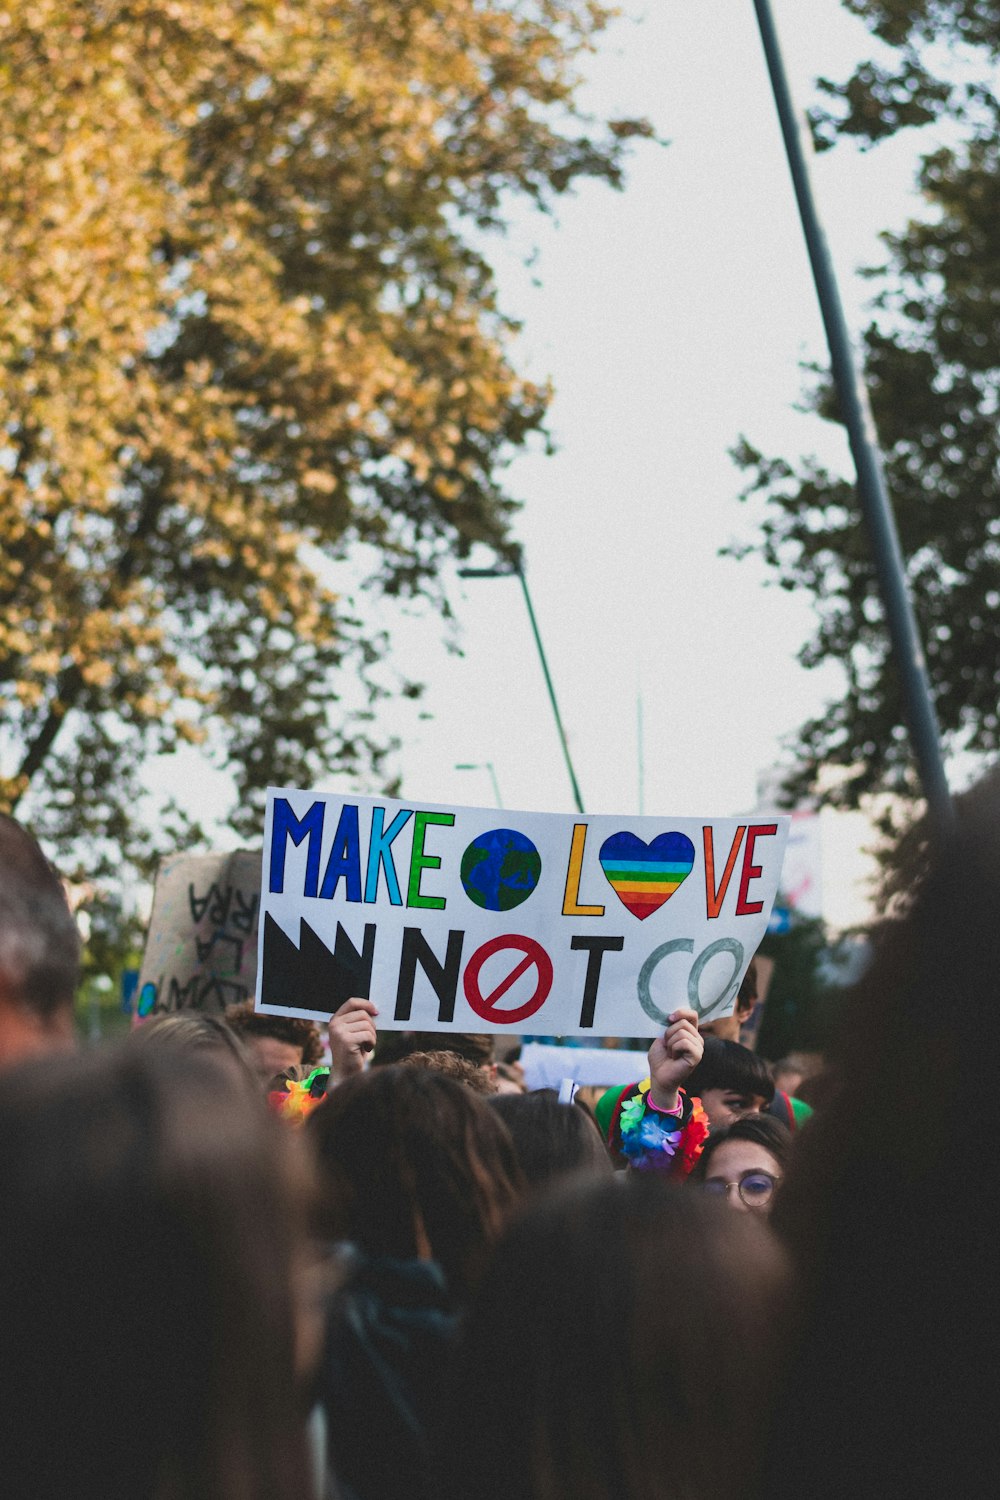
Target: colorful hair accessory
[(297, 1098)]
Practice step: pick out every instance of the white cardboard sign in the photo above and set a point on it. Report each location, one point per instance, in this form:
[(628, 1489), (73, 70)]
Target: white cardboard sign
[(471, 919), (201, 948)]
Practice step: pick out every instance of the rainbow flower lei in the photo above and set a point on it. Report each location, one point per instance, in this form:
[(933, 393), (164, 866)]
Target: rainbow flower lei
[(652, 1141), (296, 1099)]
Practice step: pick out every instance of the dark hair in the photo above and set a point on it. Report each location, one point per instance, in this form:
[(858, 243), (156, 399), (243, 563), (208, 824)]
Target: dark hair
[(886, 1202), (39, 942), (762, 1130), (407, 1157), (817, 1089), (730, 1065), (393, 1046), (152, 1219), (552, 1140), (582, 1369), (296, 1031), (747, 994)]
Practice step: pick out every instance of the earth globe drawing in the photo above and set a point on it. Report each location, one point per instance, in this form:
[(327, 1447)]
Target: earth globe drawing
[(500, 869)]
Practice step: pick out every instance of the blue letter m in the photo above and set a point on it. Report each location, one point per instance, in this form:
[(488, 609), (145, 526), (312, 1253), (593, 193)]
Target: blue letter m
[(285, 825)]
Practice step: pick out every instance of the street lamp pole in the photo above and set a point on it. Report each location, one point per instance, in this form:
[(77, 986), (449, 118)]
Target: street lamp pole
[(486, 765), (872, 492), (516, 570)]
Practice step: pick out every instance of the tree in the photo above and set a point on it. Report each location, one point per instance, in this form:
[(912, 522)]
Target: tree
[(801, 998), (932, 365), (244, 327)]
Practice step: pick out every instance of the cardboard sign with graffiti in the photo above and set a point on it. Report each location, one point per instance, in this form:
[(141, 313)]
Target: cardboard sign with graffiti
[(201, 949)]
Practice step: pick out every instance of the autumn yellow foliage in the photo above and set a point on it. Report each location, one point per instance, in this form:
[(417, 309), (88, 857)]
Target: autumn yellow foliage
[(240, 313)]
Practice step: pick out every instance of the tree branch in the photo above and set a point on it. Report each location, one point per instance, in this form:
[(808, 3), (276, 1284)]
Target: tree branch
[(70, 682)]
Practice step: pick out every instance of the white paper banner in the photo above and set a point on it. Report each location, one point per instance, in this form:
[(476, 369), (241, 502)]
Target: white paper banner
[(469, 919), (547, 1067)]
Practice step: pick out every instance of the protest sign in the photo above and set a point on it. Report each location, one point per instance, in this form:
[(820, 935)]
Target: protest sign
[(201, 948), (469, 919)]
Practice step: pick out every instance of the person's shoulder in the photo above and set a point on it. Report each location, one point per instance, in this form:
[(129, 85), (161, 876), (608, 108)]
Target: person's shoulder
[(790, 1111), (801, 1110)]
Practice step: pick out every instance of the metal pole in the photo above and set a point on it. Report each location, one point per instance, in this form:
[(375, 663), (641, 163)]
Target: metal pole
[(496, 784), (640, 752), (552, 692), (518, 570), (872, 493), (485, 765)]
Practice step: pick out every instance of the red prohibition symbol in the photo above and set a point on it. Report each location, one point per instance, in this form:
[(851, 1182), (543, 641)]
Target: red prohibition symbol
[(485, 1006)]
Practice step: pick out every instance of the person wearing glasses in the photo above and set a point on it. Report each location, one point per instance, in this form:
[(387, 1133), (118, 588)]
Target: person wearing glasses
[(745, 1162)]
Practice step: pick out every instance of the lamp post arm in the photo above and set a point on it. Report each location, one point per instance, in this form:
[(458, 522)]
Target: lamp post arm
[(578, 800), (496, 785)]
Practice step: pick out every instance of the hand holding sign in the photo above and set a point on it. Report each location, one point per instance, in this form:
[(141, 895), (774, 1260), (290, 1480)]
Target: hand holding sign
[(352, 1038), (673, 1056), (457, 924)]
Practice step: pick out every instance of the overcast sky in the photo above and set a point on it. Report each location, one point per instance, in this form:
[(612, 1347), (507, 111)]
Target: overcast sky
[(671, 317)]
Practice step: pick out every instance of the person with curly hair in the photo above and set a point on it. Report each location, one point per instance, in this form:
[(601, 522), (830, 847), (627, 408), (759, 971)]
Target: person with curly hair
[(275, 1043), (475, 1076)]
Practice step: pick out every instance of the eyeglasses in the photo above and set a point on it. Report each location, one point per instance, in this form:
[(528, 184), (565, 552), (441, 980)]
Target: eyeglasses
[(755, 1188)]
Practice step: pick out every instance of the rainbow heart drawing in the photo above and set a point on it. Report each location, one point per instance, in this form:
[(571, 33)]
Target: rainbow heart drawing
[(644, 876)]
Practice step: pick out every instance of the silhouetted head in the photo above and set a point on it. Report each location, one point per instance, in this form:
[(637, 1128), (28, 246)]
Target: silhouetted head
[(39, 950), (149, 1242), (552, 1140), (623, 1342), (193, 1031), (886, 1202), (415, 1166)]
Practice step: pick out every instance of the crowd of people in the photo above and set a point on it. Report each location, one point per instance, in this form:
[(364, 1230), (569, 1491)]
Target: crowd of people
[(239, 1264)]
